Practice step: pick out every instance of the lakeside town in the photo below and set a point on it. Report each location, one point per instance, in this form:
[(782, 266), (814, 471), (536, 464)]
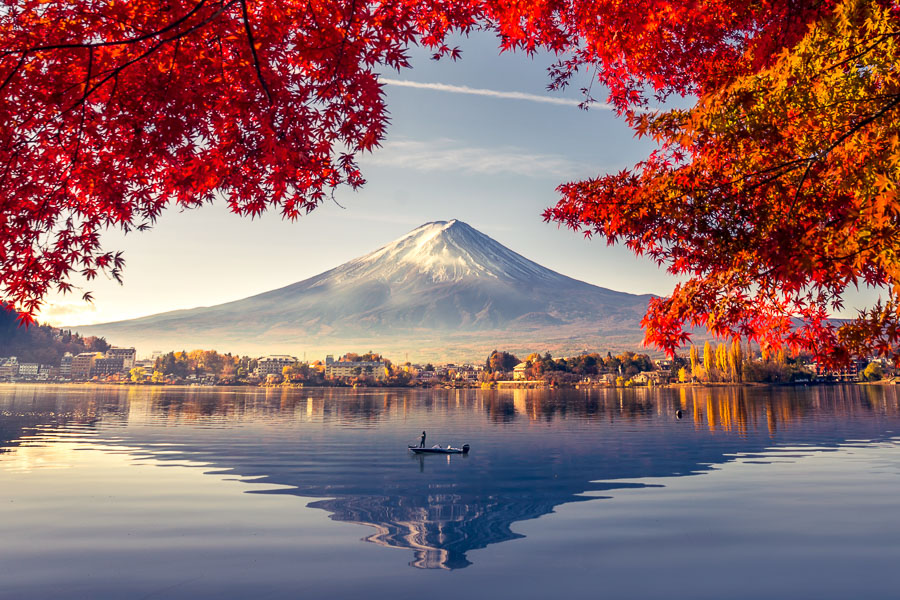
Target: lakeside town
[(710, 364)]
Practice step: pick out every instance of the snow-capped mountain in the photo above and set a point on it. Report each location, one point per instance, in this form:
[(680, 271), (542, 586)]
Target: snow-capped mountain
[(443, 285)]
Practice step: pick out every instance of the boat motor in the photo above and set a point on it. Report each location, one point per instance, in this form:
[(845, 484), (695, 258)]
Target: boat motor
[(465, 448)]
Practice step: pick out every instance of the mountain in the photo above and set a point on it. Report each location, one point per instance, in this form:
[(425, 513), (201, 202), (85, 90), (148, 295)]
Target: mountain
[(444, 290)]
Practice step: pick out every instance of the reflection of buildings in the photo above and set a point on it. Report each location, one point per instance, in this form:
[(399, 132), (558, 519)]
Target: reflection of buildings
[(532, 450)]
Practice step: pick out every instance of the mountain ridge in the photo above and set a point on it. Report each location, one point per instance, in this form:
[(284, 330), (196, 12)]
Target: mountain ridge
[(442, 284)]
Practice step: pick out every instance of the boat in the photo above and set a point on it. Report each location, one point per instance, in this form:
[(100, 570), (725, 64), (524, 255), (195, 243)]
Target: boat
[(438, 450)]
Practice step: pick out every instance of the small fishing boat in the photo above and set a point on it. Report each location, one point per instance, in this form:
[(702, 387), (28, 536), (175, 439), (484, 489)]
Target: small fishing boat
[(439, 450)]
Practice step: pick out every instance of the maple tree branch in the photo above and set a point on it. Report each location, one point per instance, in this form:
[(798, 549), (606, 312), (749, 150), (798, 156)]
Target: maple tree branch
[(87, 82), (780, 170), (13, 72), (119, 68), (172, 66), (256, 64), (822, 156), (134, 40), (340, 57), (863, 52)]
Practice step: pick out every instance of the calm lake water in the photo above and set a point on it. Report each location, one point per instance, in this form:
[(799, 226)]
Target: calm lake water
[(191, 493)]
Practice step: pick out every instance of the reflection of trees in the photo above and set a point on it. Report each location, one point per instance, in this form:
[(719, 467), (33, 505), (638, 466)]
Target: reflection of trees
[(728, 409)]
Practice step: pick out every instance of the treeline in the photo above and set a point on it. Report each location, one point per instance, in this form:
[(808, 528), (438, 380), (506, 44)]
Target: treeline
[(538, 366), (724, 363), (42, 344), (367, 357), (731, 363), (204, 363), (227, 368), (721, 363)]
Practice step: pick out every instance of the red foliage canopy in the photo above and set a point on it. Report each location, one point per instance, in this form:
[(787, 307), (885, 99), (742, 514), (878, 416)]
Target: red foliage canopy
[(773, 194), (111, 111)]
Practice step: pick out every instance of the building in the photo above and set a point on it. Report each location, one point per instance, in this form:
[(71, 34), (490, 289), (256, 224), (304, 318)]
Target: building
[(467, 374), (274, 365), (9, 367), (65, 366), (147, 364), (655, 377), (126, 354), (519, 371), (48, 373), (342, 369), (29, 370), (849, 373), (81, 365), (664, 364), (104, 366)]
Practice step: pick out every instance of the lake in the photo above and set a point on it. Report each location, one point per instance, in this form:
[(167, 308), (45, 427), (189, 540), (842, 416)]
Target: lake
[(140, 493)]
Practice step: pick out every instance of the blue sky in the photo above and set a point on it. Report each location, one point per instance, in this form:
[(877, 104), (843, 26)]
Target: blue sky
[(486, 158)]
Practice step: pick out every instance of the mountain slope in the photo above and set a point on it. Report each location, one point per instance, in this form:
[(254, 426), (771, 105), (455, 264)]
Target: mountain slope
[(444, 284)]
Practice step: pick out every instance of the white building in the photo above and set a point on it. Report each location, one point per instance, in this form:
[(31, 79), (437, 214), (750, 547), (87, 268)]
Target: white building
[(342, 369), (274, 365), (519, 371), (29, 370), (9, 367)]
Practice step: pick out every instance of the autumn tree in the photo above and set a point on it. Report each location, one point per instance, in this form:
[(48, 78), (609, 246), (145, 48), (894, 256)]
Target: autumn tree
[(873, 372), (137, 374), (774, 193), (500, 362), (722, 360), (695, 358), (736, 361), (112, 111), (708, 359)]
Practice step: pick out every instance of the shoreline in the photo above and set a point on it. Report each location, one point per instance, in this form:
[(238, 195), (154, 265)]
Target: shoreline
[(504, 385)]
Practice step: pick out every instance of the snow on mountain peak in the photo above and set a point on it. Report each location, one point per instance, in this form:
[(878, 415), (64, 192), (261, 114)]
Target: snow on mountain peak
[(446, 251)]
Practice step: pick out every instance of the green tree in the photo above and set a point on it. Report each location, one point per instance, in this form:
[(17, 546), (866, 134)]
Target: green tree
[(873, 372)]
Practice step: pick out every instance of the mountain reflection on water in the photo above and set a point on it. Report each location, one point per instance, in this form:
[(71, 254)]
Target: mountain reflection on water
[(532, 450)]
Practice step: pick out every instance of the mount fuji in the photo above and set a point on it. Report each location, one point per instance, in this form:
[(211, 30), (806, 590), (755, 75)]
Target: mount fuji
[(443, 291)]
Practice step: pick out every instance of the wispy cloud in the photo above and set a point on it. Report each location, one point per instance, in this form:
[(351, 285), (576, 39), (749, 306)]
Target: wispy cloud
[(464, 89), (452, 155)]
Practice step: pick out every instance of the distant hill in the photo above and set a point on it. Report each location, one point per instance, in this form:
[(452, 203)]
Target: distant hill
[(444, 290), (41, 343)]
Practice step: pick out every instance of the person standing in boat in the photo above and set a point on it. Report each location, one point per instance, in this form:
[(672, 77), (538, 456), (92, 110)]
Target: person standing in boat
[(422, 441)]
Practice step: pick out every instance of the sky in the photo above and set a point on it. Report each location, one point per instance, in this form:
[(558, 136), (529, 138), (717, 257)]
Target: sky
[(480, 140)]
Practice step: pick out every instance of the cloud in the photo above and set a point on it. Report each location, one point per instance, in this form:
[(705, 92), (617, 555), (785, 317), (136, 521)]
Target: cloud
[(464, 89), (77, 313), (451, 155)]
